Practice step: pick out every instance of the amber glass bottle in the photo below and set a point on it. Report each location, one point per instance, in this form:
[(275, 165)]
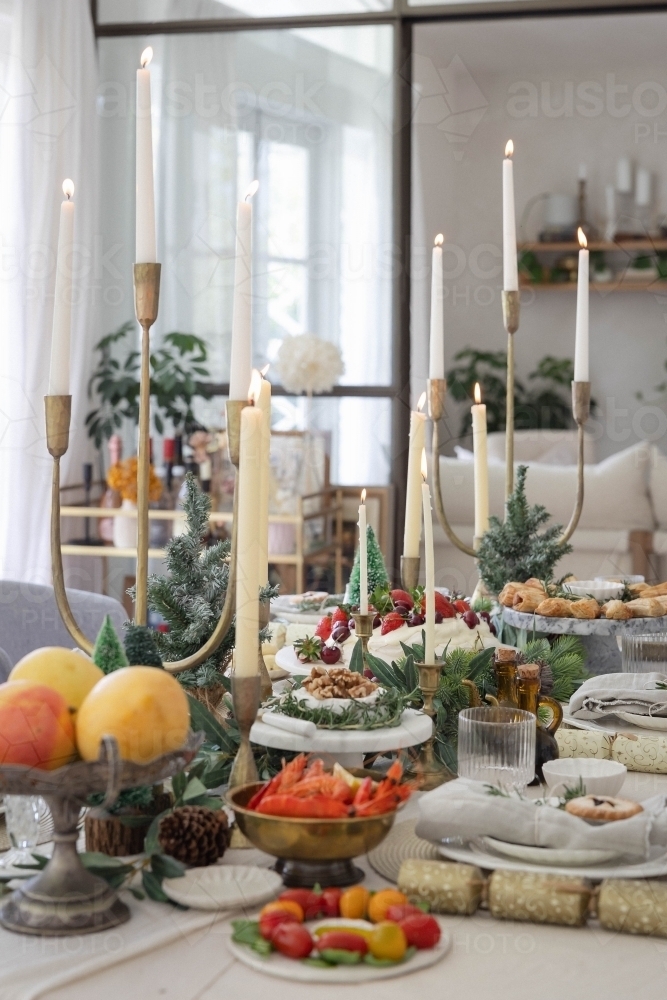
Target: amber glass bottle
[(505, 667), (530, 699)]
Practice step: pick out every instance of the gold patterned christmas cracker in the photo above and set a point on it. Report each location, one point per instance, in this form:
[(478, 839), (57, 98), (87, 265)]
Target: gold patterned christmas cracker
[(633, 907), (584, 743), (448, 888), (541, 899), (641, 753)]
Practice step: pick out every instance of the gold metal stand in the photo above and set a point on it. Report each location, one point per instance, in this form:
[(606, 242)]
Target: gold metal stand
[(511, 311), (245, 699), (581, 408), (266, 686), (363, 629), (146, 300), (427, 768), (436, 390), (409, 572)]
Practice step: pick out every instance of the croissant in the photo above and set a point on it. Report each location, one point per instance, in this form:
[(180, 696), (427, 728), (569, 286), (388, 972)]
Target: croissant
[(535, 584), (659, 590), (527, 599), (645, 607), (555, 607), (616, 610), (506, 595), (586, 608)]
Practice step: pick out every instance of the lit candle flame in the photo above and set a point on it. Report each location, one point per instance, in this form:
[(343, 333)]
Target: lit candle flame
[(581, 236), (421, 403), (252, 189), (264, 370), (478, 393), (424, 467), (363, 496), (255, 386), (439, 240), (509, 149), (68, 188), (146, 57)]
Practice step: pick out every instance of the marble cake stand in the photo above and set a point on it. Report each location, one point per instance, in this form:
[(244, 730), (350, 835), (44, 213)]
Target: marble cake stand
[(348, 746), (600, 636)]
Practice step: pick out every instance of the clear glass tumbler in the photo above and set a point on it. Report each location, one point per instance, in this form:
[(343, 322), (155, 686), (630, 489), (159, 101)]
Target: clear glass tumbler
[(644, 653), (497, 746), (22, 815)]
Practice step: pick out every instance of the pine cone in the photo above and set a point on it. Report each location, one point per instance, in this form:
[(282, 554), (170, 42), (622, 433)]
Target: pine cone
[(194, 835)]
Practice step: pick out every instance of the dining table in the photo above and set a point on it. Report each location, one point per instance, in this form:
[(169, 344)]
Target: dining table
[(164, 953)]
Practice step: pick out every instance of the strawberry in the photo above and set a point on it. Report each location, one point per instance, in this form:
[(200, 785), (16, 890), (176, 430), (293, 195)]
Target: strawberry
[(324, 627), (462, 606), (391, 622), (402, 597), (339, 615), (308, 649), (443, 605)]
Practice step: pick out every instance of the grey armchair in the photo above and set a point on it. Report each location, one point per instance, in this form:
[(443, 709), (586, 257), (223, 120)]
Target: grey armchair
[(29, 618)]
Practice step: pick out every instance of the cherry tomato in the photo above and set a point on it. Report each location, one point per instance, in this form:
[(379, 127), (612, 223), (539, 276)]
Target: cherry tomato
[(269, 922), (387, 940), (292, 940), (399, 911), (309, 901), (354, 903), (342, 941), (331, 902), (421, 930)]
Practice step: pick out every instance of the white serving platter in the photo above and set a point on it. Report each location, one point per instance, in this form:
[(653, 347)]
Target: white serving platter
[(552, 856), (223, 887), (289, 968)]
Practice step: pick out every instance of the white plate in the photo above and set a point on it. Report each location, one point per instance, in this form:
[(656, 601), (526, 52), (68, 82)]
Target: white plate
[(289, 968), (287, 659), (610, 724), (336, 705), (549, 855), (654, 722), (476, 853), (223, 887)]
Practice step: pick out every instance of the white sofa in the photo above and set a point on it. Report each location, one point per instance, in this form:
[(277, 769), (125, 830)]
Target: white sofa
[(623, 525)]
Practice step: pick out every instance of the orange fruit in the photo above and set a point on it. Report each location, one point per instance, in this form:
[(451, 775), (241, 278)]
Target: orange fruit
[(36, 727), (381, 901), (71, 673), (283, 906), (354, 903)]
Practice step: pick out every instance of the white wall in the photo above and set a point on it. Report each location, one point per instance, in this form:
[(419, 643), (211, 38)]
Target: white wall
[(464, 75)]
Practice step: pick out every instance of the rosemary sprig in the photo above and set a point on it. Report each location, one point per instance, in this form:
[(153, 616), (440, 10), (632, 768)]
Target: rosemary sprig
[(384, 712)]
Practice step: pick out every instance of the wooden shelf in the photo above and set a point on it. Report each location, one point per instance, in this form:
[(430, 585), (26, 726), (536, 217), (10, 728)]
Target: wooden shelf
[(622, 246), (655, 285)]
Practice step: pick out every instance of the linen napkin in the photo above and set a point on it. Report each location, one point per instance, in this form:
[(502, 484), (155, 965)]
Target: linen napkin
[(466, 809), (609, 693), (301, 727)]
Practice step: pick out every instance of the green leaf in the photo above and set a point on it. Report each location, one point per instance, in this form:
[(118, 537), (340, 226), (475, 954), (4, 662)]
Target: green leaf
[(95, 859), (179, 784), (151, 840), (245, 931), (357, 658), (164, 866), (152, 887), (194, 790), (202, 719)]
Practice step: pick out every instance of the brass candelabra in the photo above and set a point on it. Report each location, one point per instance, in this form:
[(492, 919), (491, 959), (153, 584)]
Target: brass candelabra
[(427, 768)]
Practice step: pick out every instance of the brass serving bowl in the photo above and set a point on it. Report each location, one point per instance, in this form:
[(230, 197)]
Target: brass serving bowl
[(310, 850)]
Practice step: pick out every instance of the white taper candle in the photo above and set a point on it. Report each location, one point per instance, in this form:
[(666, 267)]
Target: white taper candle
[(247, 565), (436, 367), (429, 569), (478, 411), (62, 305), (146, 252), (363, 557), (581, 335), (510, 267), (413, 520), (240, 365)]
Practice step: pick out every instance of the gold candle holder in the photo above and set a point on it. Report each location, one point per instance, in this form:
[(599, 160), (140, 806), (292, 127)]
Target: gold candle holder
[(581, 408), (146, 300), (363, 629), (266, 686), (436, 392), (511, 310), (409, 572), (245, 700), (427, 768), (233, 409)]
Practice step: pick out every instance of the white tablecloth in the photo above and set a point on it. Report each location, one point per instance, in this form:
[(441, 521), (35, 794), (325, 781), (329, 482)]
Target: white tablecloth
[(490, 959)]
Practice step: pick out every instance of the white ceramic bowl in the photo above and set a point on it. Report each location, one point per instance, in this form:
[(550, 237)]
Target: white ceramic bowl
[(601, 777), (601, 590)]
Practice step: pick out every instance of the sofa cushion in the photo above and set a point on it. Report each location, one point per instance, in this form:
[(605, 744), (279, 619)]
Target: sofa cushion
[(615, 490), (547, 447), (658, 486)]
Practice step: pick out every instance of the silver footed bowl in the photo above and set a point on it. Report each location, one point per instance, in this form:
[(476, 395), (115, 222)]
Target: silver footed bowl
[(64, 898)]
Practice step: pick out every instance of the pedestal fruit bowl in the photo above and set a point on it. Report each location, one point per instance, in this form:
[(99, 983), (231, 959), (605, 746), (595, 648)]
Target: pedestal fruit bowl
[(64, 898)]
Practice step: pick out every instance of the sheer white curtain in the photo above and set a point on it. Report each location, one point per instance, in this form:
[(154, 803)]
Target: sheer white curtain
[(47, 133)]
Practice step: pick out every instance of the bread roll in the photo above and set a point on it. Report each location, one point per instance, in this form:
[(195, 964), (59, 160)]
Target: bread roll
[(555, 607), (586, 608), (659, 590), (616, 610), (645, 607), (506, 595), (527, 599), (535, 584)]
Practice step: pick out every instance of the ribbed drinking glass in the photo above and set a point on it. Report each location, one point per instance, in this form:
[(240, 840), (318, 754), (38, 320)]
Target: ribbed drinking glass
[(644, 653), (497, 746)]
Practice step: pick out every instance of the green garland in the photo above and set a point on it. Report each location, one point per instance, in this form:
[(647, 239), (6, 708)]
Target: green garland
[(384, 713)]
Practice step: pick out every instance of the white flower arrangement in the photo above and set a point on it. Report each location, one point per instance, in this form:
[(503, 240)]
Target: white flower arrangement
[(307, 364)]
